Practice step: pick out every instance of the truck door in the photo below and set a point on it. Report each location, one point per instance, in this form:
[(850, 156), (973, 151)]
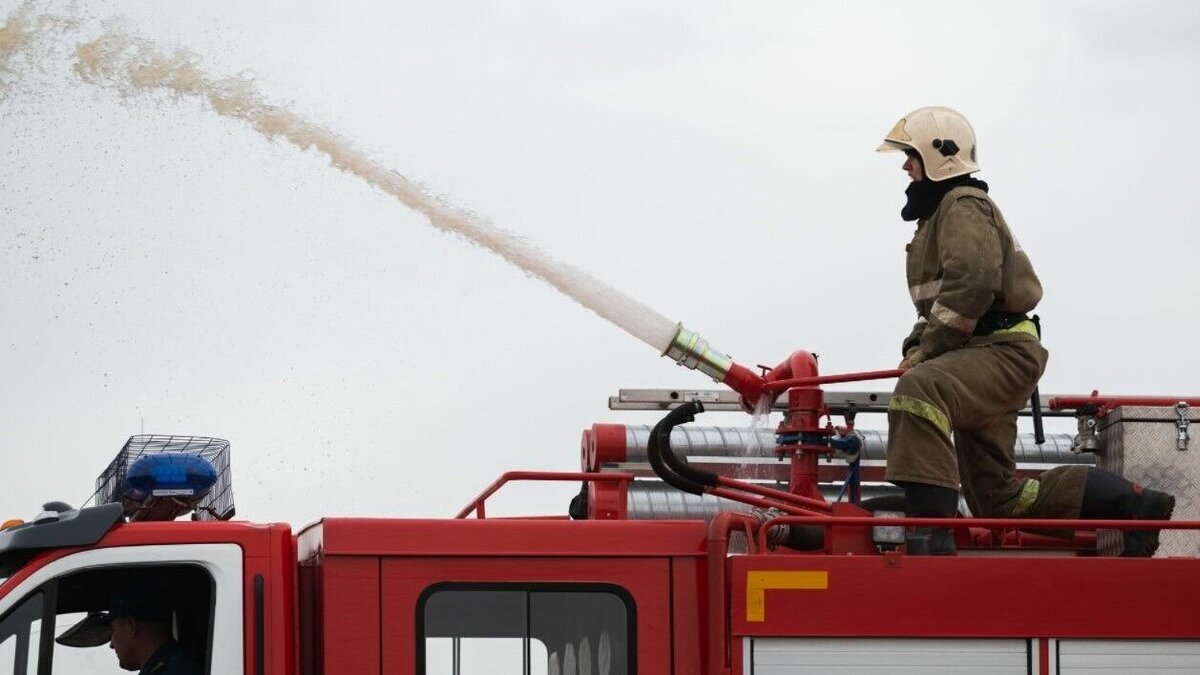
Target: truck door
[(57, 620), (514, 616)]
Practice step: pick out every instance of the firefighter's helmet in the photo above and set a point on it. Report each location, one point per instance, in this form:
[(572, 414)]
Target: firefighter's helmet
[(941, 136)]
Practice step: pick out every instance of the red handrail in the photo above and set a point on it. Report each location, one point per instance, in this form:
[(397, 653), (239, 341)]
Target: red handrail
[(477, 505), (1105, 404), (780, 385)]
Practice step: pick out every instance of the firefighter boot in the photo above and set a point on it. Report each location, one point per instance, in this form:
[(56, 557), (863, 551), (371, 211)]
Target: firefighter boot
[(930, 501), (1107, 495)]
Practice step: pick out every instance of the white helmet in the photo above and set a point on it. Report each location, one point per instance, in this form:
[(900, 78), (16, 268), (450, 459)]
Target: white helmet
[(941, 136)]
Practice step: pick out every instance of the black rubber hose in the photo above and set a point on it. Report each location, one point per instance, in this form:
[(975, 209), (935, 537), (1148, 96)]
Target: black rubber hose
[(680, 466), (660, 437), (1039, 431), (683, 413), (1035, 400), (660, 469)]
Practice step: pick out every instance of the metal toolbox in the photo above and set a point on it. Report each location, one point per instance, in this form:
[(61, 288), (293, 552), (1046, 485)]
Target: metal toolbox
[(1158, 447)]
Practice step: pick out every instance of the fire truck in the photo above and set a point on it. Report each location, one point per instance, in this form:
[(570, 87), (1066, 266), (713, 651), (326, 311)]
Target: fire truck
[(689, 550)]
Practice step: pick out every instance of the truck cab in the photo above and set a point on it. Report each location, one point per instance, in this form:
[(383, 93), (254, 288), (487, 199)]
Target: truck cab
[(64, 567)]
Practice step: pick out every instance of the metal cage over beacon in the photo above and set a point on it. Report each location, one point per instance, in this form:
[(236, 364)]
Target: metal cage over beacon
[(162, 477)]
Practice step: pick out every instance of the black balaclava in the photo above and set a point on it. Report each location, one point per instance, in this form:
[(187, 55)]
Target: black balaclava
[(925, 195)]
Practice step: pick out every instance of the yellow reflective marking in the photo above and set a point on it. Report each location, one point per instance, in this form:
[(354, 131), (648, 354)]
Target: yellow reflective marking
[(1025, 326), (759, 582), (1029, 494), (923, 409)]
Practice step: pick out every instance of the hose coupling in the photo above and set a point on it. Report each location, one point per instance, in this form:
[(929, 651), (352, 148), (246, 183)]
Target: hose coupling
[(691, 351)]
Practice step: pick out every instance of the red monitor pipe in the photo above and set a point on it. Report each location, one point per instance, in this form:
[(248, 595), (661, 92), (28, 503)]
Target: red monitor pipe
[(679, 474), (801, 423), (691, 351)]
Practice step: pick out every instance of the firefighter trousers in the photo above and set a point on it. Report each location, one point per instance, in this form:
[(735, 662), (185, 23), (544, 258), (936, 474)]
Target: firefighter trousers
[(953, 419)]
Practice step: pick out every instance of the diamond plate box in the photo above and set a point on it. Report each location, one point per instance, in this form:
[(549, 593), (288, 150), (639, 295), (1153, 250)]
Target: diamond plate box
[(1158, 447)]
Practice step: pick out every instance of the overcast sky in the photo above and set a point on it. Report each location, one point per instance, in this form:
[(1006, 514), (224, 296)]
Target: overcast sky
[(167, 269)]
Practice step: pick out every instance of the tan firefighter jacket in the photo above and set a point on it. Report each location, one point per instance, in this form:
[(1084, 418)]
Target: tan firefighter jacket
[(962, 262)]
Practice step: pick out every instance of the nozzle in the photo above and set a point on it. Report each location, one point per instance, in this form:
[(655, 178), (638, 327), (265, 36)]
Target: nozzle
[(691, 351)]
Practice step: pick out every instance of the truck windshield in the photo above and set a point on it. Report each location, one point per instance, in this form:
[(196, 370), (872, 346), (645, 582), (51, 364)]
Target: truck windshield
[(20, 634)]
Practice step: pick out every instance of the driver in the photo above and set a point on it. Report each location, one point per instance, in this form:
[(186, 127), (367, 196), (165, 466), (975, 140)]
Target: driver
[(137, 627)]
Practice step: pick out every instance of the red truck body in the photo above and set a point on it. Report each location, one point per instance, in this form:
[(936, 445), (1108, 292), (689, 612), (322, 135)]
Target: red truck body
[(347, 595)]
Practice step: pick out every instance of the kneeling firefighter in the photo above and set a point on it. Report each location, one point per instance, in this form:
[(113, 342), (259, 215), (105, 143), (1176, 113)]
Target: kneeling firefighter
[(974, 357)]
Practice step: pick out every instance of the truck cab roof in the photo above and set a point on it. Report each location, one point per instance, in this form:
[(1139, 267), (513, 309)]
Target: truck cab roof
[(55, 529)]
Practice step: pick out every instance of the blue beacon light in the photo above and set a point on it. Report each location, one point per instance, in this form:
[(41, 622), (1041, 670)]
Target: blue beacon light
[(170, 474)]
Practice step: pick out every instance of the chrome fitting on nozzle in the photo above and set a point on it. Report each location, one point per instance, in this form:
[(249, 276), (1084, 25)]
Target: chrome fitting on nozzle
[(691, 351)]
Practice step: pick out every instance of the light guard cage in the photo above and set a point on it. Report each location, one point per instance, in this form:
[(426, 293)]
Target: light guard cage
[(217, 505)]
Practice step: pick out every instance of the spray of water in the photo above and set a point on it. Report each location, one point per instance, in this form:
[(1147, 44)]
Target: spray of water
[(14, 37), (132, 66), (23, 50), (758, 422)]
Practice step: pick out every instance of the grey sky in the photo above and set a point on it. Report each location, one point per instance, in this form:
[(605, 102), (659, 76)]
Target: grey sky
[(714, 160)]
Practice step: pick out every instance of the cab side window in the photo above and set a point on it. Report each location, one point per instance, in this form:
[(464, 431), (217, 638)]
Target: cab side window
[(507, 629), (67, 625), (172, 605)]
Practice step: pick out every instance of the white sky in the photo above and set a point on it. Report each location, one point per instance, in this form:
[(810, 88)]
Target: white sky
[(713, 159)]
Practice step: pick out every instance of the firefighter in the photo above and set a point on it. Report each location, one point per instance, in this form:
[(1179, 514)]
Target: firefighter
[(974, 356), (142, 637)]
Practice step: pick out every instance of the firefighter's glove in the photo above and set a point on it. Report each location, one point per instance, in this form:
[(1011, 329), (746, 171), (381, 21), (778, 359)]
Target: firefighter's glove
[(914, 356)]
